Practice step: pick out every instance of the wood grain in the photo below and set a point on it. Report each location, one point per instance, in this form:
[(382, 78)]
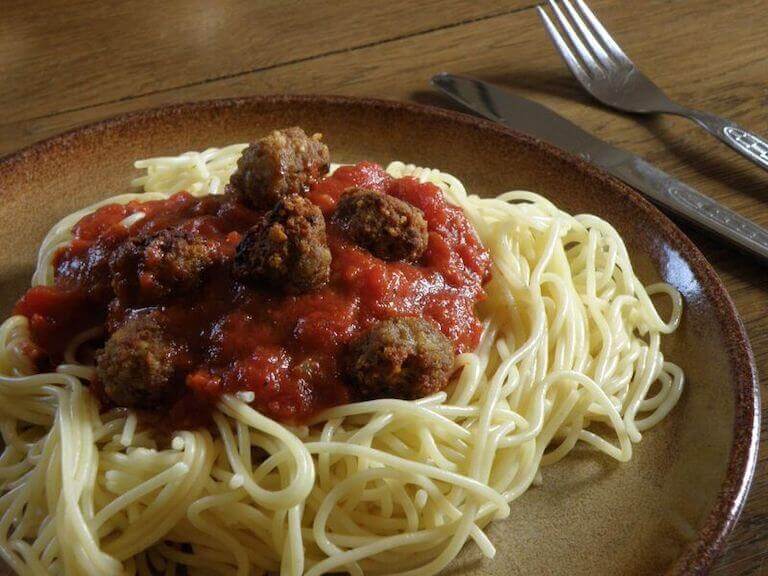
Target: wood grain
[(67, 55), (93, 62)]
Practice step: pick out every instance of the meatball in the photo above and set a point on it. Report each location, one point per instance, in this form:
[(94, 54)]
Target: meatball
[(399, 358), (287, 249), (149, 268), (386, 226), (285, 162), (137, 365)]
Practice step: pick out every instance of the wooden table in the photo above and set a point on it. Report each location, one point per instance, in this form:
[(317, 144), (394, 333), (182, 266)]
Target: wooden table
[(64, 63)]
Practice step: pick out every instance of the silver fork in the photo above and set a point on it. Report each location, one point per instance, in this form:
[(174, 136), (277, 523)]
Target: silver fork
[(602, 68)]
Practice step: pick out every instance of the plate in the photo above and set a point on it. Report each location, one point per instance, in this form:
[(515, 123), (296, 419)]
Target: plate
[(671, 507)]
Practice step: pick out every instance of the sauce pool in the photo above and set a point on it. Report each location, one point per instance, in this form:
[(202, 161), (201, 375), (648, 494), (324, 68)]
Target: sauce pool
[(284, 349)]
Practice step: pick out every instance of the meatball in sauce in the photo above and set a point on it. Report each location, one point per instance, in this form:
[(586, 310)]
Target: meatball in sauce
[(387, 227), (137, 365), (282, 163), (287, 249), (399, 358), (151, 268)]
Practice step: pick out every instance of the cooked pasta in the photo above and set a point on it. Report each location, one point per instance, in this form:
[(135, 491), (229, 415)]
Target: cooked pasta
[(570, 353)]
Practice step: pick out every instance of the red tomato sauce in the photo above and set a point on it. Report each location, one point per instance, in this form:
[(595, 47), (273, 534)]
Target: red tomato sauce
[(285, 349)]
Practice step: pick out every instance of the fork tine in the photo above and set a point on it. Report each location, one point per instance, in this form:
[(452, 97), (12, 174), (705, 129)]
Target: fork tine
[(592, 42), (570, 58), (586, 56), (613, 48)]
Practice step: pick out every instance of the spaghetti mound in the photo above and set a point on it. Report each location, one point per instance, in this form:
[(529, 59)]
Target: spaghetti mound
[(560, 344)]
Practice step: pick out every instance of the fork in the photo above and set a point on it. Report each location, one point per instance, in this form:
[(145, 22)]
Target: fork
[(605, 71)]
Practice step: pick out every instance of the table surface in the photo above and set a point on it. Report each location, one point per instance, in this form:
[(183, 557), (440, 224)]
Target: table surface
[(69, 62)]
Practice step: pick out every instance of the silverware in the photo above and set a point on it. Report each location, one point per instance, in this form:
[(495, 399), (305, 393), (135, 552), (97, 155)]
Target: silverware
[(605, 71), (539, 121)]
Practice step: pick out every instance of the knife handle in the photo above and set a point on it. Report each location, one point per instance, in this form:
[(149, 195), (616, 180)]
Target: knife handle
[(694, 206)]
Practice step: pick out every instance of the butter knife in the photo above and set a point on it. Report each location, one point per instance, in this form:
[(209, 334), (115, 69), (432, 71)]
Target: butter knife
[(536, 120)]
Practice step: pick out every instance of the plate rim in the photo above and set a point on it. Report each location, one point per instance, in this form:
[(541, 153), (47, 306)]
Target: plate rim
[(698, 555)]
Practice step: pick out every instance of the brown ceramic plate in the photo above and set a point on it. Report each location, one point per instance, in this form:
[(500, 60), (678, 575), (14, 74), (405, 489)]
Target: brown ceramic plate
[(670, 508)]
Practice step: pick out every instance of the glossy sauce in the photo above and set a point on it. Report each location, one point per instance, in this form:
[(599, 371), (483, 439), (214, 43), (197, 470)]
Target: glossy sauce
[(284, 349)]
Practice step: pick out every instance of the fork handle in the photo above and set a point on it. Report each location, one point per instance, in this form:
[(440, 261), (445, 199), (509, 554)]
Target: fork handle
[(746, 143)]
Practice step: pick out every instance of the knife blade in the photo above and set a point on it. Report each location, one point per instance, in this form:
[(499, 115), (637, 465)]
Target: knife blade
[(536, 120)]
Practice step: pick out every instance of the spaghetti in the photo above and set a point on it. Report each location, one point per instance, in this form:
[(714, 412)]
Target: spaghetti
[(569, 353)]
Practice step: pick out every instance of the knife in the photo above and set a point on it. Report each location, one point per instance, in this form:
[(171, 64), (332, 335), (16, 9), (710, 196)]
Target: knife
[(538, 121)]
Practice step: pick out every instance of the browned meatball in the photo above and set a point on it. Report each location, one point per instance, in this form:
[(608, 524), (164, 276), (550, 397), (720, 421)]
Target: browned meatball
[(287, 249), (285, 162), (149, 268), (399, 358), (386, 226), (136, 367)]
